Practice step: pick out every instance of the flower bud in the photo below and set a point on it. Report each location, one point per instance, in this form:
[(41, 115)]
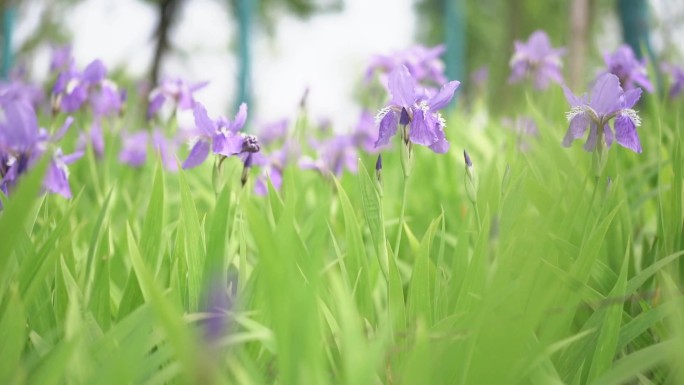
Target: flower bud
[(378, 175), (471, 181)]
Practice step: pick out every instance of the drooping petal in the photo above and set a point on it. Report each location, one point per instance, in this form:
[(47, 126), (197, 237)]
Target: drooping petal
[(422, 128), (205, 125), (198, 154), (441, 146), (590, 144), (605, 95), (444, 96), (402, 87), (626, 134), (56, 179), (156, 102), (608, 132), (577, 128), (387, 128)]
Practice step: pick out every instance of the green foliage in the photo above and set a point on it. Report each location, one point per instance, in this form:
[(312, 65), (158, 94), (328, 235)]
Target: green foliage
[(564, 278)]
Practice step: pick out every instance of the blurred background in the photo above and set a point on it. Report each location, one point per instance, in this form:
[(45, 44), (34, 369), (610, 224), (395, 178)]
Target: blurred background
[(268, 52)]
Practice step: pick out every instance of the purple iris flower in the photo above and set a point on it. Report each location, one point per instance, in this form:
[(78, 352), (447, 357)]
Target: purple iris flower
[(73, 88), (18, 89), (177, 91), (677, 75), (607, 102), (630, 70), (334, 156), (222, 136), (61, 58), (536, 58), (107, 99), (419, 115), (22, 143), (272, 166), (525, 129), (136, 146), (69, 91), (365, 133), (423, 63), (273, 132)]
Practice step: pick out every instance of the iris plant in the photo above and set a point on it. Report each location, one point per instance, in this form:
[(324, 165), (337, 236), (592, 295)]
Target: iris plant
[(607, 102), (418, 115), (221, 136), (537, 59), (630, 70)]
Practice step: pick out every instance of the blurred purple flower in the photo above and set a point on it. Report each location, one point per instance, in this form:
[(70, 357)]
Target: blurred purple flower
[(365, 133), (273, 132), (222, 136), (407, 108), (480, 76), (94, 137), (334, 156), (272, 166), (177, 91), (608, 101), (16, 89), (525, 128), (536, 58), (61, 58), (423, 63), (73, 88), (136, 146), (22, 143), (629, 70), (677, 76), (107, 100)]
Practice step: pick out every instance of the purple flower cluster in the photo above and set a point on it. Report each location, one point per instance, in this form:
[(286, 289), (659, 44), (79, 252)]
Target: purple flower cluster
[(23, 143), (74, 88), (173, 91), (136, 146)]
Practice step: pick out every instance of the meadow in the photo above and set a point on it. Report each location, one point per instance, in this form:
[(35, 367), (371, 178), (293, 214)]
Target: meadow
[(530, 263)]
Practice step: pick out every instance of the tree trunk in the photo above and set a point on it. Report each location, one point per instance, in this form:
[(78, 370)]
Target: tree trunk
[(579, 24)]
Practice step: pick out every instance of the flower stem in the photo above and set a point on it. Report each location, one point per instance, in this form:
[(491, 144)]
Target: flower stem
[(401, 219), (477, 216)]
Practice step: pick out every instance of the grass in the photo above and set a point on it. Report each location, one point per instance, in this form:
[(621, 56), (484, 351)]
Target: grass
[(568, 279)]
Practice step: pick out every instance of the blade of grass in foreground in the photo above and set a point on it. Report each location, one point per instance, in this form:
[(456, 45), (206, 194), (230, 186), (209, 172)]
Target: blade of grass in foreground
[(17, 210), (193, 242), (176, 330)]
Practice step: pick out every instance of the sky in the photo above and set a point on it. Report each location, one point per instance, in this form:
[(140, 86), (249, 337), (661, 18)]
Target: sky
[(326, 53)]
